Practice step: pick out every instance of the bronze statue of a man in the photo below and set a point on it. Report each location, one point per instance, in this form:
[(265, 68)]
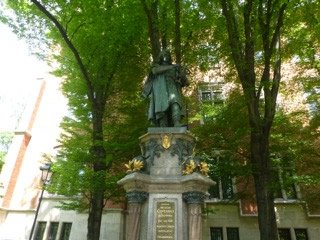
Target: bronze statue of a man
[(163, 87)]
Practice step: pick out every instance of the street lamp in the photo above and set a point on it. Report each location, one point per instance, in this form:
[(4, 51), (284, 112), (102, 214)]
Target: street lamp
[(45, 179)]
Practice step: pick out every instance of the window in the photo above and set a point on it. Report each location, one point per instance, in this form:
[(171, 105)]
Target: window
[(53, 230), (223, 189), (206, 96), (211, 95), (217, 96), (301, 234), (65, 231), (232, 233), (41, 227), (284, 234), (216, 233)]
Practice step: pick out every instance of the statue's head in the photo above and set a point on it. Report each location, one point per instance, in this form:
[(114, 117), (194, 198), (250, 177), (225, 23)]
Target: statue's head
[(165, 57)]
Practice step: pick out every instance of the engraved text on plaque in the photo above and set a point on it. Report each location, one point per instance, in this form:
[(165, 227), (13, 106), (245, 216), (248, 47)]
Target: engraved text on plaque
[(165, 221)]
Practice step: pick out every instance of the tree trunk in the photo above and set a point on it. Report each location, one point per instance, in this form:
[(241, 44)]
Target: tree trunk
[(263, 178), (265, 202), (95, 215), (99, 167)]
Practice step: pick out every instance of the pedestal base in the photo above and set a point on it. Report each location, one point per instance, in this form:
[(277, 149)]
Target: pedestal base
[(171, 209)]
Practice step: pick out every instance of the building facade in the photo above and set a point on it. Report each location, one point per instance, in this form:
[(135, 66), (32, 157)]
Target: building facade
[(20, 178)]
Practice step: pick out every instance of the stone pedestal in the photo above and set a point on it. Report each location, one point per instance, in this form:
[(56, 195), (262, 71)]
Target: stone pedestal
[(163, 203)]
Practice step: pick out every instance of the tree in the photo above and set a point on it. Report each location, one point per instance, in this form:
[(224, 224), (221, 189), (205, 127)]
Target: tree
[(242, 45), (92, 42), (253, 28), (253, 51)]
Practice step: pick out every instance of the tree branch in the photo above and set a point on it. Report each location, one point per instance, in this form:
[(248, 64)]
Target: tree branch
[(263, 26), (273, 92), (278, 26), (177, 32), (276, 77), (249, 44), (153, 27), (234, 39), (67, 24), (277, 67), (70, 45), (77, 29), (110, 77)]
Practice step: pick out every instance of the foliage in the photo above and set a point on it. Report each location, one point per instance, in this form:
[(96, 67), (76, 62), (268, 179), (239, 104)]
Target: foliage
[(224, 137), (312, 90), (2, 156), (302, 32), (122, 131), (5, 141), (126, 63)]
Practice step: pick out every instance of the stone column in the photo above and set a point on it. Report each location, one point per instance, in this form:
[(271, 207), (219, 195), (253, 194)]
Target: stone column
[(135, 201), (194, 200)]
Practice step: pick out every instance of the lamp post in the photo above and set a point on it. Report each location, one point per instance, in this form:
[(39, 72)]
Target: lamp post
[(45, 178)]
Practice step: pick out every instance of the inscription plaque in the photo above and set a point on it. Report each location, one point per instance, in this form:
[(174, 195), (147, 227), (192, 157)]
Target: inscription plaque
[(165, 221)]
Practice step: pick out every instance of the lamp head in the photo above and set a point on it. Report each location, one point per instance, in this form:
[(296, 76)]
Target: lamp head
[(45, 172)]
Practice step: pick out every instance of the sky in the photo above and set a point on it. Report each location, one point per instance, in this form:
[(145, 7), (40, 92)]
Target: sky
[(18, 70)]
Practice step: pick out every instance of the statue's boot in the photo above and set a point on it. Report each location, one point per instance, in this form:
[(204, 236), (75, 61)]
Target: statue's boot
[(163, 122)]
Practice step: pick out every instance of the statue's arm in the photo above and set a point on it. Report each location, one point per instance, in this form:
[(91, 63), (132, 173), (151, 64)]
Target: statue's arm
[(161, 68)]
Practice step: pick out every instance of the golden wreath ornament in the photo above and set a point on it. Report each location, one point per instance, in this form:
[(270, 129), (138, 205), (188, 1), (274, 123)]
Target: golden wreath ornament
[(192, 167), (134, 165)]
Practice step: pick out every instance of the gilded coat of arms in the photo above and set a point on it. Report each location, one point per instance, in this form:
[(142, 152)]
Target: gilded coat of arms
[(166, 141)]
